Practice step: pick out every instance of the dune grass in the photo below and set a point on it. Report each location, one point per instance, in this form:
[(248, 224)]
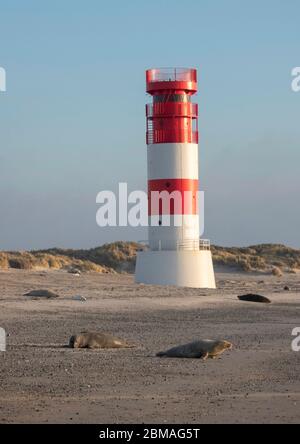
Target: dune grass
[(121, 256), (44, 261), (274, 258)]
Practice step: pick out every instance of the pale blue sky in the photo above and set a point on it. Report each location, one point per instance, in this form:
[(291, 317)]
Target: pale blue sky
[(72, 120)]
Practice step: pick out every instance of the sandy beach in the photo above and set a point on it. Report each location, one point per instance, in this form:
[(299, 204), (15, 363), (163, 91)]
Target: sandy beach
[(43, 381)]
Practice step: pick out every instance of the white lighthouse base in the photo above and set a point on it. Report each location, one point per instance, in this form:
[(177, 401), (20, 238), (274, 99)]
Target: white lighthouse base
[(180, 268)]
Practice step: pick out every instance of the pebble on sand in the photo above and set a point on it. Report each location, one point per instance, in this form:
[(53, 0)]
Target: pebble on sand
[(78, 297), (74, 271)]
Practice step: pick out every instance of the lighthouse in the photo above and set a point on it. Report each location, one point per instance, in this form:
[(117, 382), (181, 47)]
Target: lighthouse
[(175, 255)]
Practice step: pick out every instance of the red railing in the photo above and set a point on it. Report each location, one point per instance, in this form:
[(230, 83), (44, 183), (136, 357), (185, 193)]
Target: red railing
[(186, 109), (171, 136)]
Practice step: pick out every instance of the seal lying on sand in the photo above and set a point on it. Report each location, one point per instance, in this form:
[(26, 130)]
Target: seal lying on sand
[(254, 298), (204, 349), (42, 294), (96, 340)]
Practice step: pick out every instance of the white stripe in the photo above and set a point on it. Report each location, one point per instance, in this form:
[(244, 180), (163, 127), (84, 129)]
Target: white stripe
[(172, 161), (173, 230)]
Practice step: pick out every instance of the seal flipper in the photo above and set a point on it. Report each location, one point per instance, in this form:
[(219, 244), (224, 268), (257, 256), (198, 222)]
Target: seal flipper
[(161, 354), (203, 356)]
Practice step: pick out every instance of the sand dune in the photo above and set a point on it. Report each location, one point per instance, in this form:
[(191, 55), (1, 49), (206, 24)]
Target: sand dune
[(121, 257)]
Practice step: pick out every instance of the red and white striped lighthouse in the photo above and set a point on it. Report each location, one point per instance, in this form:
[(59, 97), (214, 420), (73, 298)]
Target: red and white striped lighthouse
[(176, 255)]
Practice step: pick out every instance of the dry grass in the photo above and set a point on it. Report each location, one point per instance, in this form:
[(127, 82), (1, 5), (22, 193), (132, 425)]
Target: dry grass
[(3, 260), (273, 258), (121, 256), (276, 271), (44, 261)]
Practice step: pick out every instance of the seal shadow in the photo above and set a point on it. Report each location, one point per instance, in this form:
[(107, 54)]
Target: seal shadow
[(46, 346)]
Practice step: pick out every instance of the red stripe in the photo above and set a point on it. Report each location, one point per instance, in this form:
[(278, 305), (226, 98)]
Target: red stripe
[(184, 202), (172, 109)]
